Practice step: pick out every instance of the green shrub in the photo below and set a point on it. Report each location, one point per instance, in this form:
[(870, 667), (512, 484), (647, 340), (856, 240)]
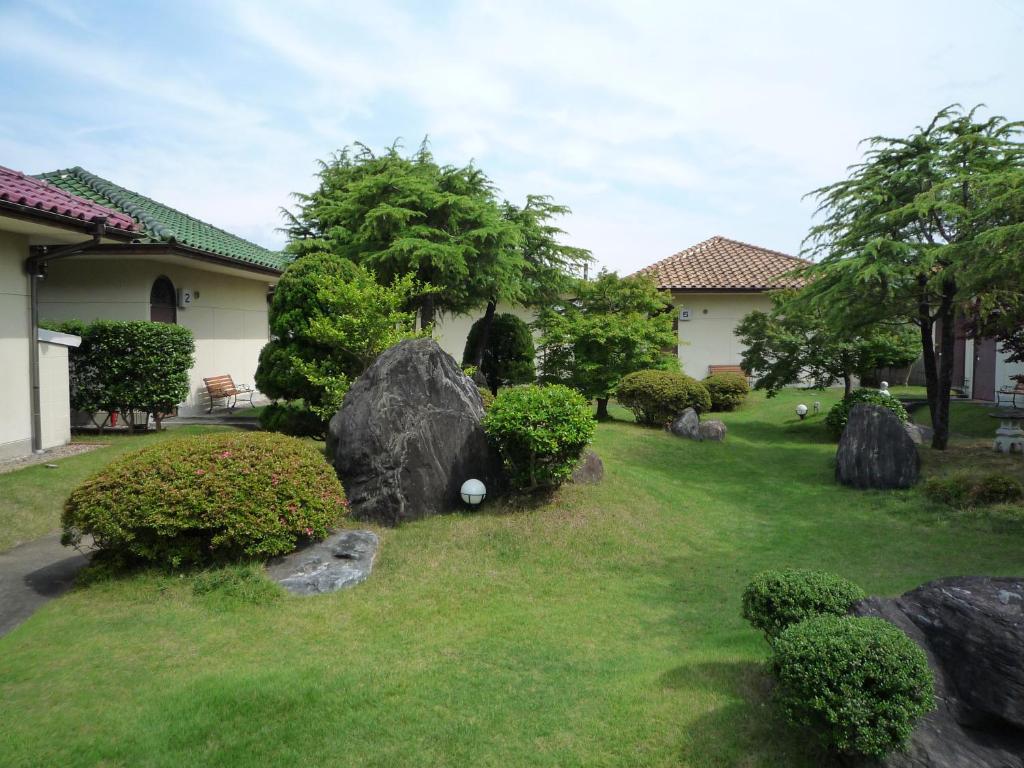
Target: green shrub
[(129, 366), (727, 390), (487, 397), (774, 600), (996, 488), (540, 432), (657, 397), (292, 419), (860, 683), (837, 417), (211, 498), (961, 490), (509, 353)]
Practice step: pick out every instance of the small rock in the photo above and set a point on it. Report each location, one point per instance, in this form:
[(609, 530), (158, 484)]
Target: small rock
[(590, 470), (343, 559), (712, 430), (918, 433), (686, 424)]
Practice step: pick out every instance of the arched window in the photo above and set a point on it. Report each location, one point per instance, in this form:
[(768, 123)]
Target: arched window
[(163, 302)]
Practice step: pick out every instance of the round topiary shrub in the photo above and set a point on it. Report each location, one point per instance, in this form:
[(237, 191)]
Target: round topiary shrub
[(540, 432), (840, 413), (775, 600), (860, 683), (657, 397), (727, 390), (508, 354), (207, 499), (996, 488)]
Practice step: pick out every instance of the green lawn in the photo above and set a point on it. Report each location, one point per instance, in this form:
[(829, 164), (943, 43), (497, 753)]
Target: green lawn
[(601, 629), (965, 419)]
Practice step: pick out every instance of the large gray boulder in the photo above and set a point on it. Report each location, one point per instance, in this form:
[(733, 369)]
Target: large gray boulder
[(408, 434), (875, 450), (972, 630), (686, 424)]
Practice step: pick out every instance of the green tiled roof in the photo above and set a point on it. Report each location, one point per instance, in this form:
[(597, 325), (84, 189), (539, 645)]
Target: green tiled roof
[(161, 223)]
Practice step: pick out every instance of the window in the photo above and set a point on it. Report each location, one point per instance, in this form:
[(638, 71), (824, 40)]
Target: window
[(163, 301)]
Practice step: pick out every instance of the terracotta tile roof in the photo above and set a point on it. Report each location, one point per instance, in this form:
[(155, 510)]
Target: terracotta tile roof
[(34, 193), (720, 264), (163, 224)]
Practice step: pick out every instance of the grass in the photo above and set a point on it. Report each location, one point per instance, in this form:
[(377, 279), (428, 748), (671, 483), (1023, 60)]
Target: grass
[(33, 497), (600, 629), (970, 420)]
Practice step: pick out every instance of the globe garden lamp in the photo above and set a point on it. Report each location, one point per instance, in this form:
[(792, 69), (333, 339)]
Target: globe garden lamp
[(473, 492), (801, 410)]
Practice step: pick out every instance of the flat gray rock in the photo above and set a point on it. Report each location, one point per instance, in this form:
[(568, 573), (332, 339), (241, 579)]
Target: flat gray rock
[(918, 433), (343, 559)]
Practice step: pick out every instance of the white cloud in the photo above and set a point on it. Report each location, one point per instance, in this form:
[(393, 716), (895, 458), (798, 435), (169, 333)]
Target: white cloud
[(658, 123)]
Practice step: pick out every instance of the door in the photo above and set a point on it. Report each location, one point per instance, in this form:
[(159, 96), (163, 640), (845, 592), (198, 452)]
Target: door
[(984, 379), (163, 302)]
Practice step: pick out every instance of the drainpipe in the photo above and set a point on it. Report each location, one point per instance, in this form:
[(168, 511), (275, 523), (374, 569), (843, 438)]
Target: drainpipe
[(35, 265)]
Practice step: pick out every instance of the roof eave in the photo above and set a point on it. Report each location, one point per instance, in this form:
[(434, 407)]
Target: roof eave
[(188, 252), (73, 223)]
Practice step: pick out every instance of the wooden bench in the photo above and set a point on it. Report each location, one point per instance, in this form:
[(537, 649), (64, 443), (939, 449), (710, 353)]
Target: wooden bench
[(1012, 393), (713, 369), (224, 388)]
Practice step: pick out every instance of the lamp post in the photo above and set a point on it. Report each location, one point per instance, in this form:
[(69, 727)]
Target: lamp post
[(801, 411)]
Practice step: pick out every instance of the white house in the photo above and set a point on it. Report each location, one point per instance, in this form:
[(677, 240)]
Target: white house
[(177, 269), (713, 285), (40, 225)]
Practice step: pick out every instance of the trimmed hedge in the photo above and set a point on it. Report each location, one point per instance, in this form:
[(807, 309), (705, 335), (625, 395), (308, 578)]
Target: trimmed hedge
[(657, 397), (836, 419), (727, 390), (860, 683), (775, 600), (129, 366), (210, 498), (540, 432)]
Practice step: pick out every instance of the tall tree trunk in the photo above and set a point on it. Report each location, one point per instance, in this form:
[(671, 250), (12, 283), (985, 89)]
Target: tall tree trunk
[(602, 409), (931, 371), (477, 357), (847, 384), (944, 374), (427, 311)]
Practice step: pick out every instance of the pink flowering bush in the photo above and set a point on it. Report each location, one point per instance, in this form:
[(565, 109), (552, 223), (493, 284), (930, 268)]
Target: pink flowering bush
[(207, 499)]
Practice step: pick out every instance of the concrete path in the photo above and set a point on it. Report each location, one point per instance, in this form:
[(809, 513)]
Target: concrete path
[(33, 573)]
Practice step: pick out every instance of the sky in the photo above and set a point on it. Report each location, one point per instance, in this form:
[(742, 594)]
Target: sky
[(659, 124)]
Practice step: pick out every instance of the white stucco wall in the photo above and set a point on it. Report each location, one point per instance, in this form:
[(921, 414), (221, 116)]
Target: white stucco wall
[(228, 319), (54, 395), (451, 330), (15, 387), (708, 337)]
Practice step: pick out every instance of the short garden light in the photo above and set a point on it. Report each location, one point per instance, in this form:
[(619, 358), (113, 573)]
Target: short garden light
[(801, 410), (473, 492)]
